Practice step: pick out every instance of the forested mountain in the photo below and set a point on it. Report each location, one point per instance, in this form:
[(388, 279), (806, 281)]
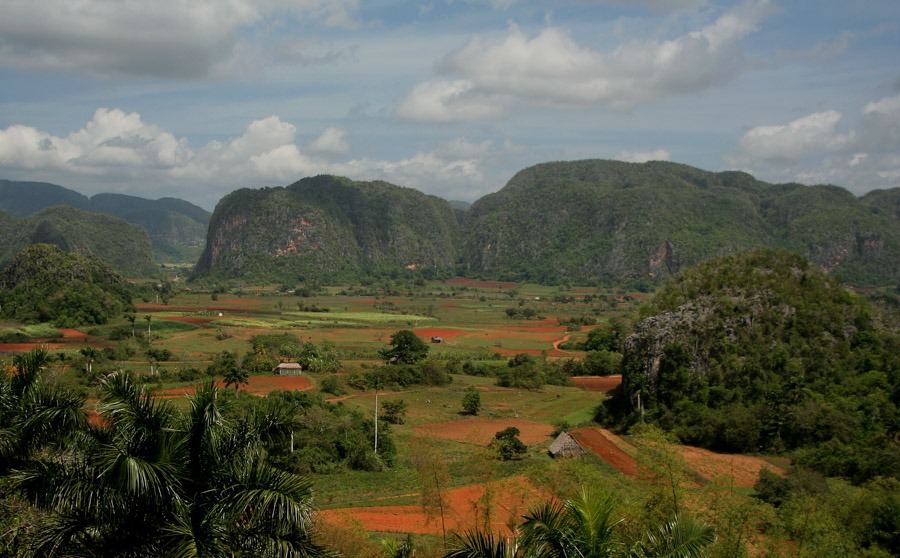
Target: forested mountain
[(46, 284), (764, 352), (125, 247), (611, 220), (177, 228), (581, 221), (329, 227)]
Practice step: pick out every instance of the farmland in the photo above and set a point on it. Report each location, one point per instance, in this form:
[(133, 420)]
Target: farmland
[(440, 453)]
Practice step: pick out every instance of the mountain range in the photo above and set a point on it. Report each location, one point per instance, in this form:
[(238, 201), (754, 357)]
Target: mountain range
[(176, 228), (579, 222)]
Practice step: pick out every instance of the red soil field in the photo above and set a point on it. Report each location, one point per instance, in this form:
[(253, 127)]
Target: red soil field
[(429, 332), (473, 284), (258, 385), (480, 431), (743, 469), (69, 336), (512, 498), (598, 383), (595, 440)]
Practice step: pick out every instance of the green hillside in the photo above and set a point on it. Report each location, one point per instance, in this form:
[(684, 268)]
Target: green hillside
[(123, 246), (329, 227), (177, 228), (763, 352), (45, 284), (609, 220)]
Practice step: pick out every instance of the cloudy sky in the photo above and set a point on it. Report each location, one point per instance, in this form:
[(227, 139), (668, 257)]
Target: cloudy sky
[(196, 98)]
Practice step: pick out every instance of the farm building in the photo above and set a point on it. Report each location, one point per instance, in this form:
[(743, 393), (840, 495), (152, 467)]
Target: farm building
[(288, 369), (565, 446)]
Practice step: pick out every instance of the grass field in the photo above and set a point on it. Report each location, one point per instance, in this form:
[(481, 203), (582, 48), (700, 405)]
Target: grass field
[(473, 321)]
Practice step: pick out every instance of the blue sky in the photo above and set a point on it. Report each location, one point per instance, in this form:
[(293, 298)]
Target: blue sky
[(196, 98)]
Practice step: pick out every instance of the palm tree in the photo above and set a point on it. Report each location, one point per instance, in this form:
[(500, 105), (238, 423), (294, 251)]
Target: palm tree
[(90, 355), (584, 524), (586, 527), (151, 482), (149, 318), (34, 414)]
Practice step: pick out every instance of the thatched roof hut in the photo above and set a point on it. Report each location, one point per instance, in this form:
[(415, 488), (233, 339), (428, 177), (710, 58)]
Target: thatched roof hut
[(565, 446)]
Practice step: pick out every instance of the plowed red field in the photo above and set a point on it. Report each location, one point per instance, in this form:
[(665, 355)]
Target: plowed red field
[(595, 440), (258, 385), (598, 383), (512, 498), (480, 431)]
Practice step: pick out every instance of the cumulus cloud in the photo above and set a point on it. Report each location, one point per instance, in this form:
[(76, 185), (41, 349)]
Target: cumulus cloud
[(168, 38), (117, 151), (812, 149), (644, 156), (490, 73), (332, 141)]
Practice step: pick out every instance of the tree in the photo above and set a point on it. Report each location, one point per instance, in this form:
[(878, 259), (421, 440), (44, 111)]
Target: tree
[(587, 526), (163, 484), (406, 348), (149, 318), (226, 365), (507, 444), (393, 411), (90, 355), (131, 317), (471, 401)]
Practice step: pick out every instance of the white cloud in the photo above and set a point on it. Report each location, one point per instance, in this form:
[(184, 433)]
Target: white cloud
[(169, 38), (332, 141), (813, 134), (644, 156), (490, 73), (811, 149), (117, 151)]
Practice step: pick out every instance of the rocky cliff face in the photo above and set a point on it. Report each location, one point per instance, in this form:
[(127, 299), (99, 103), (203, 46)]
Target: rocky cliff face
[(327, 226)]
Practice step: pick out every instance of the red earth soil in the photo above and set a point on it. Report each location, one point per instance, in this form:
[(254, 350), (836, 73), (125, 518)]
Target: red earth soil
[(742, 470), (471, 283), (593, 439), (258, 385), (512, 498), (598, 383), (429, 332), (69, 336), (480, 430)]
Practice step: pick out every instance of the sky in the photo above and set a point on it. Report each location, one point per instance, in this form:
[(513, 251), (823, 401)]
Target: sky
[(197, 98)]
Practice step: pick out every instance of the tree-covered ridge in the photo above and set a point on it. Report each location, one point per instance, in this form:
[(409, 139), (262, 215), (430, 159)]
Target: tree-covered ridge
[(327, 226), (593, 219), (123, 246), (177, 228), (42, 283), (764, 352)]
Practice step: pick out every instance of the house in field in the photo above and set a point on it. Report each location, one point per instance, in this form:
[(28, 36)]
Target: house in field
[(288, 369), (565, 446), (436, 339)]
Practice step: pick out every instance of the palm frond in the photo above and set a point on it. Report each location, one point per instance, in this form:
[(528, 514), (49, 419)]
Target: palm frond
[(681, 537), (478, 544)]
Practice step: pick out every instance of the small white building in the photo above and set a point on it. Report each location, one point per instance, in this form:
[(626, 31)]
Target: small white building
[(288, 369)]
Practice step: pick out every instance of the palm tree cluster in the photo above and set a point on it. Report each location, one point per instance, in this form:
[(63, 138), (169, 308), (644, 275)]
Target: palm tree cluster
[(586, 527), (144, 479)]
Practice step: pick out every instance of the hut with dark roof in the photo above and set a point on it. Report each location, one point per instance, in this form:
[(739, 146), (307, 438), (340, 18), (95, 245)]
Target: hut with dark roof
[(565, 446)]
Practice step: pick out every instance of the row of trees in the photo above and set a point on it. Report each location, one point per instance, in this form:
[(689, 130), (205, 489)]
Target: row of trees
[(142, 478)]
